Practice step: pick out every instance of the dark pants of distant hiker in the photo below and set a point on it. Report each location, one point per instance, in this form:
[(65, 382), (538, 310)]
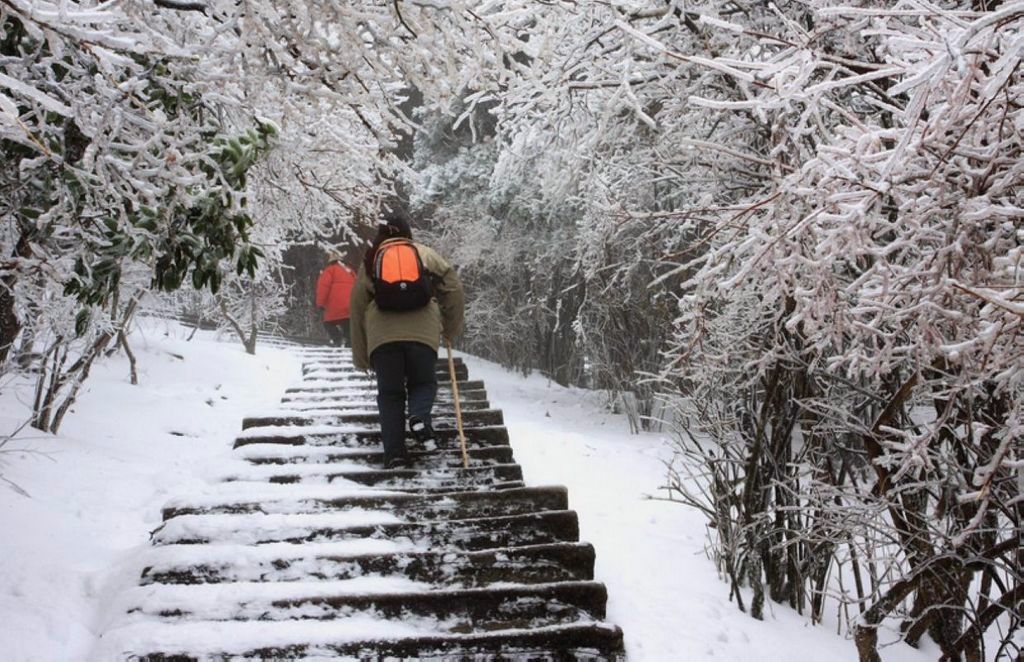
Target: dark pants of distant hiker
[(403, 368), (338, 332)]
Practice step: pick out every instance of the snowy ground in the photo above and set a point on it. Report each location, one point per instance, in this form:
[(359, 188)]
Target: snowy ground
[(662, 589), (95, 493)]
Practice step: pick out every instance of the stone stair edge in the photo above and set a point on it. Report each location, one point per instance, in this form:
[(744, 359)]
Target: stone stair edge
[(356, 500), (577, 641)]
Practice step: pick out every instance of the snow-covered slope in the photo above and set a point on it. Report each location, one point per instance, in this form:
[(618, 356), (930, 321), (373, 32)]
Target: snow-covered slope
[(96, 492)]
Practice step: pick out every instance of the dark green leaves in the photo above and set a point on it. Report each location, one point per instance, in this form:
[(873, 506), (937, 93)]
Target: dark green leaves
[(193, 243), (82, 321)]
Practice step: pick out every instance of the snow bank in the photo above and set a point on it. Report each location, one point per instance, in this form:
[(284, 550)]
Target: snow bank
[(97, 489), (96, 492), (663, 591)]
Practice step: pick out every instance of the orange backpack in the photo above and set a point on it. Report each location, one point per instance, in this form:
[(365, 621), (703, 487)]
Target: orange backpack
[(400, 282)]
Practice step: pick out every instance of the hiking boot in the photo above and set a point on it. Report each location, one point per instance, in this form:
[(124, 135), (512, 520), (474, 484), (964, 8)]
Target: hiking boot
[(423, 433), (398, 462)]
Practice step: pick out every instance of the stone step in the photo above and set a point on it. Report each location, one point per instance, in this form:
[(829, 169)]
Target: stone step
[(405, 507), (362, 383), (307, 548), (328, 407), (448, 457), (416, 479), (396, 487), (450, 610), (369, 394), (190, 642), (524, 565), (465, 534), (470, 418), (341, 356), (579, 641), (317, 371), (349, 373), (477, 437), (345, 363), (296, 345), (312, 358)]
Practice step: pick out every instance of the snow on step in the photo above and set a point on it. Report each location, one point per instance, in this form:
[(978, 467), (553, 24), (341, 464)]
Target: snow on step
[(199, 639), (346, 359), (253, 600), (357, 637), (273, 498), (451, 457), (172, 557), (407, 481), (269, 473), (451, 479), (441, 419), (312, 499), (304, 430), (365, 436), (387, 597), (344, 373), (346, 376), (345, 364), (251, 528), (450, 534), (340, 391), (340, 422), (306, 547), (309, 453), (329, 408), (276, 562), (298, 426), (332, 407), (365, 385), (366, 400)]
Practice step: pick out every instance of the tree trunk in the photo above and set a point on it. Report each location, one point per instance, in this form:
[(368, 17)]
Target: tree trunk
[(9, 323), (79, 379), (233, 323), (132, 363), (250, 342)]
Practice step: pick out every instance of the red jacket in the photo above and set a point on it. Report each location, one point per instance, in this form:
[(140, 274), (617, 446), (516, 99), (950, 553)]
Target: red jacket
[(333, 289)]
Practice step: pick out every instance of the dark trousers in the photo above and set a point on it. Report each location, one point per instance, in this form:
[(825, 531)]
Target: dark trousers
[(338, 333), (403, 368)]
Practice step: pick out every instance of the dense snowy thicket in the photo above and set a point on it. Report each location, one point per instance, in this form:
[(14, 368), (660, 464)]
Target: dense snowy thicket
[(151, 145), (806, 219), (798, 222), (870, 386)]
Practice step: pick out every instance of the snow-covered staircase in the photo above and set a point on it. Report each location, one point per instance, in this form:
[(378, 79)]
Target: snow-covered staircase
[(308, 549)]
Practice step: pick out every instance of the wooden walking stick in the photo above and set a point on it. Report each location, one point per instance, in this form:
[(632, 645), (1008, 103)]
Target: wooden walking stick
[(458, 407)]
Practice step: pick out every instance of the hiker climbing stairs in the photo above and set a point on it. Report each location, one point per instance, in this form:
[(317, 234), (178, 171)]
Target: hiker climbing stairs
[(307, 548)]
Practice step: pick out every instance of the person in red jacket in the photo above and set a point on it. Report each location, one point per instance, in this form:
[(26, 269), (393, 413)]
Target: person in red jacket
[(333, 289)]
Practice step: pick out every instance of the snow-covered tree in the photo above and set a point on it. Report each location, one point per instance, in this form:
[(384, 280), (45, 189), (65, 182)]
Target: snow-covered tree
[(832, 194), (805, 217), (516, 260), (133, 128), (853, 337)]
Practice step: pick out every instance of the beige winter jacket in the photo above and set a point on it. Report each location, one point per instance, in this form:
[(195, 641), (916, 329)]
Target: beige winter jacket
[(373, 327)]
